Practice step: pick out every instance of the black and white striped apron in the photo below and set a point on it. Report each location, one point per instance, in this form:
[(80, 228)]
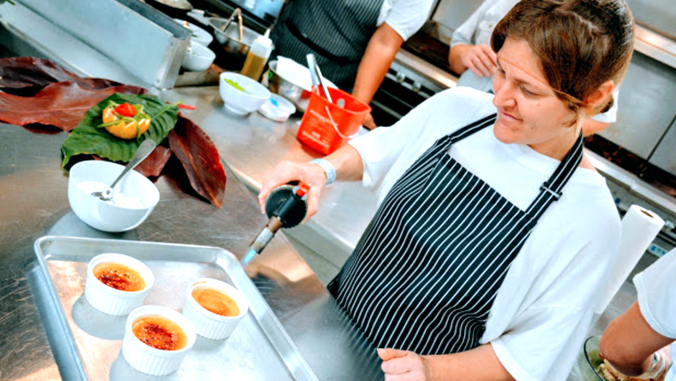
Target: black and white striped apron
[(336, 31), (427, 269)]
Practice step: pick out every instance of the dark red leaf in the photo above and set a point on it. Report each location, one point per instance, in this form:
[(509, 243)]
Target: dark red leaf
[(155, 162), (200, 159), (61, 104), (27, 75)]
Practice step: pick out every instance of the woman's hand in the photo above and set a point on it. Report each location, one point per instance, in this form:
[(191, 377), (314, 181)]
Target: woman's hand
[(287, 171), (480, 59), (404, 366)]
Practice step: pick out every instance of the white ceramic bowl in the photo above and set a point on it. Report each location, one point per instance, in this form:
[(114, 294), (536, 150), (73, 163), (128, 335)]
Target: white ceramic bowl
[(109, 300), (153, 361), (198, 58), (242, 102), (199, 35), (104, 215), (207, 323)]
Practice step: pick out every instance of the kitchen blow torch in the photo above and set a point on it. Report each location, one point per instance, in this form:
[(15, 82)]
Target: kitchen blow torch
[(286, 206)]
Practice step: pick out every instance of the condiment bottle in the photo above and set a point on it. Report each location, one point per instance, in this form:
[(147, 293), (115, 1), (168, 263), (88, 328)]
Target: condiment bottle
[(257, 57)]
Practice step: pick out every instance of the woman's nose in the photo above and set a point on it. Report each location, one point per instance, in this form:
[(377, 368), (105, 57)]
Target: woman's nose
[(504, 95)]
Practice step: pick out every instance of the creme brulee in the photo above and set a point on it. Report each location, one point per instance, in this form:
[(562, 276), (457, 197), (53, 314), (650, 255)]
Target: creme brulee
[(215, 301), (119, 277), (160, 333)]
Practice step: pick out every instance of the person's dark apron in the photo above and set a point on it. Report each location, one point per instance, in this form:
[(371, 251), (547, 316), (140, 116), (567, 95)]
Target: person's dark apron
[(336, 31), (425, 273)]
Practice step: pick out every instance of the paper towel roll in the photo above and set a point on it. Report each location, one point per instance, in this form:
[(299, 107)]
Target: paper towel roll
[(639, 228)]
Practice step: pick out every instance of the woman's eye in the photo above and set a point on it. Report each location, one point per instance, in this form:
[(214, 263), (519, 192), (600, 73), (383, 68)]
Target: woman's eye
[(525, 91), (500, 71)]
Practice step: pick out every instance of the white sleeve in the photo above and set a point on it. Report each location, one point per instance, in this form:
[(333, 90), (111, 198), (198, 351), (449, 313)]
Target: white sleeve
[(656, 287), (405, 16), (380, 148), (465, 32), (542, 341), (544, 345)]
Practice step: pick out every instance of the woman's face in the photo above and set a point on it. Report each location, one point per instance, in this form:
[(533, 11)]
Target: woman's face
[(529, 112)]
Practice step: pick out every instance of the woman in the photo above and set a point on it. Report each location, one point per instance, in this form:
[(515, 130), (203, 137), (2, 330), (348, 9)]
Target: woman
[(494, 233), (354, 41)]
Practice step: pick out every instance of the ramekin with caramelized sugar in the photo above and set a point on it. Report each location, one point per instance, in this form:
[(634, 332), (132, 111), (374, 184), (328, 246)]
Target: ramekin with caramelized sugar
[(110, 300), (207, 323), (150, 360)]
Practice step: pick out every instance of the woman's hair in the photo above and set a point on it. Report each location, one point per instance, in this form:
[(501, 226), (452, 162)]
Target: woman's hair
[(580, 43)]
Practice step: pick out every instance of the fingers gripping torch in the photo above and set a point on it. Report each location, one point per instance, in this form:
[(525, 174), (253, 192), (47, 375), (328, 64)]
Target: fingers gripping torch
[(286, 206)]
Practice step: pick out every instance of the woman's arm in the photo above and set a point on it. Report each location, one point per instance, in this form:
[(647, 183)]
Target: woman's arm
[(379, 54), (346, 161), (480, 364), (629, 342)]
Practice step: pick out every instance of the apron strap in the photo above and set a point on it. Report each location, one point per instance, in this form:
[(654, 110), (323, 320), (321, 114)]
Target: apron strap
[(471, 128), (550, 190)]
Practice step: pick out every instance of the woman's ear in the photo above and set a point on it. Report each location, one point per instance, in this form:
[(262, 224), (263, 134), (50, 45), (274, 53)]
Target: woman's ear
[(599, 97)]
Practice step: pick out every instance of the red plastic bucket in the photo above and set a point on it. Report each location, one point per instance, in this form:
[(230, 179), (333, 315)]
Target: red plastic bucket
[(326, 126)]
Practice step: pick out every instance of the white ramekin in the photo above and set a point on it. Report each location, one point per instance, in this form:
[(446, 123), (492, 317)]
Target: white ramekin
[(109, 300), (207, 323), (149, 360)]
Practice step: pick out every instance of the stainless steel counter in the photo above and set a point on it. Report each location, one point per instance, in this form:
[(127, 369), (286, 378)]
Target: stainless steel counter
[(33, 202)]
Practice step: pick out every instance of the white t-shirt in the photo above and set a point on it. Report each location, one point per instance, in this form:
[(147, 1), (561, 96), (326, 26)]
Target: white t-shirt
[(404, 16), (478, 29), (656, 287), (544, 307)]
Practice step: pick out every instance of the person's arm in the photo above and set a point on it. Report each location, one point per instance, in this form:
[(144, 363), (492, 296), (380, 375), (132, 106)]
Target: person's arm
[(379, 54), (480, 59), (629, 342), (346, 161), (480, 364)]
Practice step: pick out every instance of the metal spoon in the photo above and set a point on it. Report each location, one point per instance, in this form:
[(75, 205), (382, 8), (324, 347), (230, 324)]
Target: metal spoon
[(142, 152)]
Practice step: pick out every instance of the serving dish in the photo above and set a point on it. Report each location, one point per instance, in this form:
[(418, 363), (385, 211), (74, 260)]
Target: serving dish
[(109, 300), (589, 360), (153, 361), (87, 343), (199, 35), (207, 323), (138, 196), (198, 57), (248, 98)]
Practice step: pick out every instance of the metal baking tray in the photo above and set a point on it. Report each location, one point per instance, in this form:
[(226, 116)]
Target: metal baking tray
[(87, 343)]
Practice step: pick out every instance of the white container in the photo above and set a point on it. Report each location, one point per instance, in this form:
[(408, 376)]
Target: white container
[(198, 34), (109, 300), (149, 360), (242, 102), (198, 57), (277, 108), (207, 323), (104, 215)]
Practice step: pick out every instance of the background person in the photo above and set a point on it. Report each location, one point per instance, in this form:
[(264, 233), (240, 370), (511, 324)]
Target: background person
[(472, 57), (635, 344), (494, 231), (354, 41)]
